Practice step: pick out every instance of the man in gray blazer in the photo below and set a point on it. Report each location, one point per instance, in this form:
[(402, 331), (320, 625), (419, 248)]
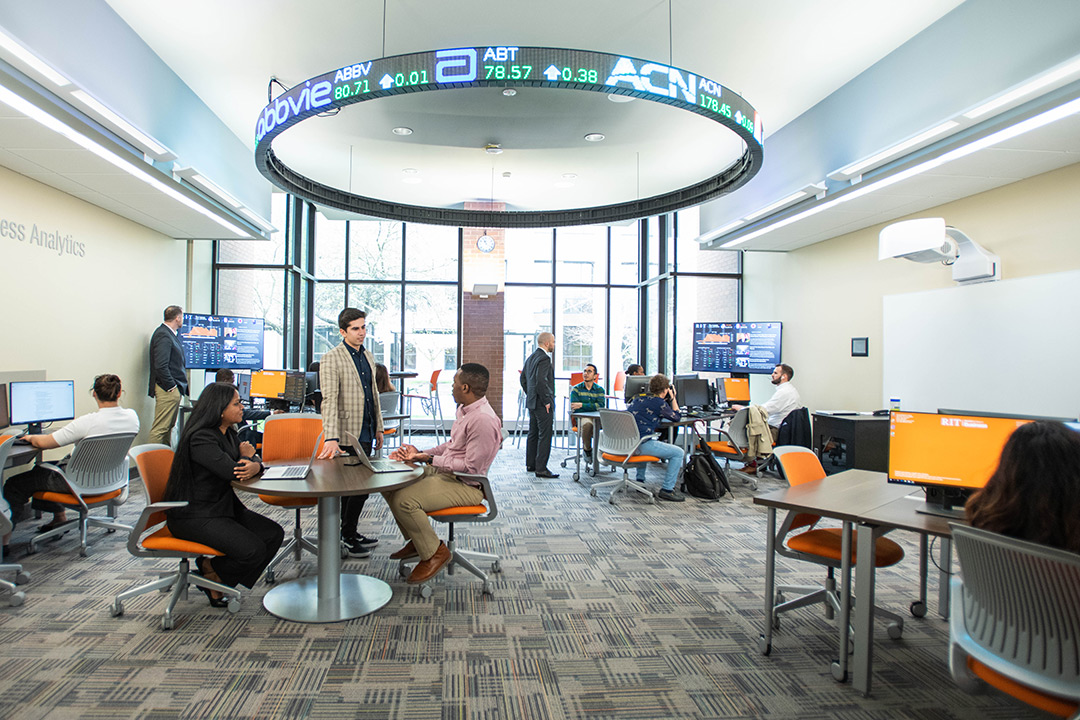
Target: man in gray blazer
[(350, 403), (538, 382), (168, 374)]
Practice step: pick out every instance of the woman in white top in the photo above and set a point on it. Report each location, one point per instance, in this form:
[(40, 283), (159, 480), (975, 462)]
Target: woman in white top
[(110, 418)]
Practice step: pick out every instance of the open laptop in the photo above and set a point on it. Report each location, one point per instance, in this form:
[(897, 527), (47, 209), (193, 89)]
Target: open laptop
[(291, 472), (375, 466)]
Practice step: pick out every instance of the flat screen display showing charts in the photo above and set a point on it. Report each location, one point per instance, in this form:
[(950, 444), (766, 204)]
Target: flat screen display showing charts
[(222, 341), (741, 347)]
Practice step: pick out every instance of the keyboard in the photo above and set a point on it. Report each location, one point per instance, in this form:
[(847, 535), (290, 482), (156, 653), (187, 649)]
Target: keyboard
[(291, 472), (382, 466)]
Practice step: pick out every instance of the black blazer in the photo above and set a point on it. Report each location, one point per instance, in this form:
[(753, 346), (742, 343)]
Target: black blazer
[(538, 380), (167, 367), (213, 458)]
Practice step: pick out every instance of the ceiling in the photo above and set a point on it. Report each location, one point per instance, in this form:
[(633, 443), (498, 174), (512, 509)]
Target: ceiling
[(778, 54)]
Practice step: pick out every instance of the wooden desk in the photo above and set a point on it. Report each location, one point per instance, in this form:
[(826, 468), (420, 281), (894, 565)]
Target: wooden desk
[(331, 595), (865, 498)]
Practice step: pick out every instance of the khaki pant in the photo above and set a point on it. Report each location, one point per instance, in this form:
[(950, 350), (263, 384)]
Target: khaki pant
[(587, 429), (166, 403), (435, 490)]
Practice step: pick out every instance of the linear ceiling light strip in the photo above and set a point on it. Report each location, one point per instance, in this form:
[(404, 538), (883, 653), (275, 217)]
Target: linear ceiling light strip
[(503, 67)]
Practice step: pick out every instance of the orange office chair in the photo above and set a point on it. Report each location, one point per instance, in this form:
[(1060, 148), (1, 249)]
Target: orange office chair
[(151, 538), (1014, 623), (618, 444), (734, 445), (96, 475), (821, 546), (467, 559), (618, 387), (18, 597), (430, 405), (291, 436)]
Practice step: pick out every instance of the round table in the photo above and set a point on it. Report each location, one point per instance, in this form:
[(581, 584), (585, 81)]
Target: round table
[(330, 596)]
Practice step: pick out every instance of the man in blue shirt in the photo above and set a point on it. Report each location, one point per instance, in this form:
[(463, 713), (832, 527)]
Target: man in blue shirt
[(650, 410), (587, 396)]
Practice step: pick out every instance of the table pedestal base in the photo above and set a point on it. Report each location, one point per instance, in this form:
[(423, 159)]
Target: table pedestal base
[(298, 600)]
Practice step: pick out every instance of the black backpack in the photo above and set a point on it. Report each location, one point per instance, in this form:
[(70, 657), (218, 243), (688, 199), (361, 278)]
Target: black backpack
[(702, 475)]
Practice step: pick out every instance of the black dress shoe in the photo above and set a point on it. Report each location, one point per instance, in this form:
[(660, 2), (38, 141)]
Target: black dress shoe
[(545, 474)]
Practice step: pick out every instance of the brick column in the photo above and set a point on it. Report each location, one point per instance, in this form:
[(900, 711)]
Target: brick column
[(482, 317)]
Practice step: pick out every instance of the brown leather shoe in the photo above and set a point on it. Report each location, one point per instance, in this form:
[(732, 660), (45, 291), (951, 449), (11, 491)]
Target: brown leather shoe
[(409, 551), (427, 569)]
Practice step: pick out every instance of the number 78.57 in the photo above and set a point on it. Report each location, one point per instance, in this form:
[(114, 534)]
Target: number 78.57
[(507, 72)]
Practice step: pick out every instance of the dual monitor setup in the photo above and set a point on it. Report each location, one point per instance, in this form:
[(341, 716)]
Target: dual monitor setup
[(950, 453), (292, 386), (694, 392)]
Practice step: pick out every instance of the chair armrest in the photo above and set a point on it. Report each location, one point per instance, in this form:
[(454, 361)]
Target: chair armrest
[(143, 524), (485, 487)]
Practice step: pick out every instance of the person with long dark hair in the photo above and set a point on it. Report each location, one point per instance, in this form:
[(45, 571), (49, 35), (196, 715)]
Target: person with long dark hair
[(382, 379), (209, 457), (1035, 492)]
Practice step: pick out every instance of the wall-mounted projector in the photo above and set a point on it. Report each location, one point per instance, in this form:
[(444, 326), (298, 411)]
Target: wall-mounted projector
[(928, 240)]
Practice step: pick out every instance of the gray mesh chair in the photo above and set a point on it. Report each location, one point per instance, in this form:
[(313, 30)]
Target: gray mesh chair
[(618, 448), (393, 419), (17, 597), (96, 474), (1015, 620), (733, 445)]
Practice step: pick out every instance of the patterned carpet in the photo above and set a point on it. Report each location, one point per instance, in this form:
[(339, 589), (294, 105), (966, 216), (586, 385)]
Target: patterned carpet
[(601, 611)]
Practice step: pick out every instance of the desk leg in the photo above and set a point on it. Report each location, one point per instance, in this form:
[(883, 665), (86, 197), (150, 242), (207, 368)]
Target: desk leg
[(865, 578), (944, 579), (577, 453), (840, 668), (330, 596), (765, 641)]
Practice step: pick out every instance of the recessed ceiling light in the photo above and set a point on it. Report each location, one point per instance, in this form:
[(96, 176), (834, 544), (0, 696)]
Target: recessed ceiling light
[(569, 176), (493, 149), (620, 98), (509, 92), (410, 171), (402, 131), (594, 137), (506, 174)]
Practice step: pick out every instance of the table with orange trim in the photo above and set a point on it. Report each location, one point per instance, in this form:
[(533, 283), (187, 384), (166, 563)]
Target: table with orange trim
[(864, 498), (331, 595)]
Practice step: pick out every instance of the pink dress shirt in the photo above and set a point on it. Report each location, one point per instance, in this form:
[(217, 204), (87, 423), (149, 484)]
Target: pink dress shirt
[(474, 440)]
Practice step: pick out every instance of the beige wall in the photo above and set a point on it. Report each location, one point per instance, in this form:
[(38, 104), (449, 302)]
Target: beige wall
[(830, 292), (76, 317)]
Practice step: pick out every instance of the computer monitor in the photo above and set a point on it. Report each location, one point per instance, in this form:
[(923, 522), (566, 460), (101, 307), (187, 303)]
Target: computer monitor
[(694, 394), (312, 382), (635, 385), (218, 341), (737, 391), (949, 455), (747, 347), (295, 386), (5, 419), (269, 384), (41, 401), (243, 385), (980, 413)]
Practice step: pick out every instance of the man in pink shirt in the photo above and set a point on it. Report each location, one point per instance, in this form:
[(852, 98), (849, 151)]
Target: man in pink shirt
[(474, 441)]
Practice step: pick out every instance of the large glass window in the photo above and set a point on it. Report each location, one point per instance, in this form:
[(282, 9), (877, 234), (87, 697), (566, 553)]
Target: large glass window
[(581, 256), (528, 255), (432, 251), (526, 313), (256, 293), (374, 250)]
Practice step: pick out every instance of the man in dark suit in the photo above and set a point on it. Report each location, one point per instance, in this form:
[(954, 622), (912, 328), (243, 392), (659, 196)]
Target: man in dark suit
[(538, 382), (168, 374)]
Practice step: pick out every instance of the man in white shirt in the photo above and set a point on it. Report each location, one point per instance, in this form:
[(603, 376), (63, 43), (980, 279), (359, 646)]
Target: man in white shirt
[(109, 419), (784, 400)]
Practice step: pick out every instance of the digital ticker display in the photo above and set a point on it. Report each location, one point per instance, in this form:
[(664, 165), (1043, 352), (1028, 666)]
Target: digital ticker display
[(222, 341), (737, 347), (506, 67)]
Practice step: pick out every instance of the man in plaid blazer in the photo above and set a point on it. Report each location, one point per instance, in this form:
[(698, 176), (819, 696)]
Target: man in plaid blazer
[(350, 403)]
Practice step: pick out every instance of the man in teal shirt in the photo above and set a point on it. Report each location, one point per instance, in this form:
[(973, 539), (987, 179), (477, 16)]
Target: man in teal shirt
[(587, 396)]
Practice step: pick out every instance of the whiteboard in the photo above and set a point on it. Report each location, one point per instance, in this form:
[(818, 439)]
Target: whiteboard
[(1009, 346)]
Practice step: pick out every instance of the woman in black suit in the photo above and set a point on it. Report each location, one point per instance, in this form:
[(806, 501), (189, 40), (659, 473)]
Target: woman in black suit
[(209, 457)]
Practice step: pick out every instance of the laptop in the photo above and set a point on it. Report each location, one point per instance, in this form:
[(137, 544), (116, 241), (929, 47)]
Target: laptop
[(291, 472), (375, 466)]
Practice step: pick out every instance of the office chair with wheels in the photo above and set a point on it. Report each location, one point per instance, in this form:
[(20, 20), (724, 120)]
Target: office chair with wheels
[(96, 475), (570, 439), (1015, 620), (393, 419), (617, 444), (291, 436), (151, 538), (18, 597), (467, 559), (617, 389), (821, 546), (734, 444)]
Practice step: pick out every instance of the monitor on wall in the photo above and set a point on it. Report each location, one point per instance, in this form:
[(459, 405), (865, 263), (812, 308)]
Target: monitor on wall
[(737, 347), (222, 341)]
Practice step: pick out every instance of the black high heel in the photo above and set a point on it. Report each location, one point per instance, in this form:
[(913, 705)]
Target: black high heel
[(220, 602)]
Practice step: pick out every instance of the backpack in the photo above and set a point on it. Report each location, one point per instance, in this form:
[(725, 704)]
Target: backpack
[(702, 475)]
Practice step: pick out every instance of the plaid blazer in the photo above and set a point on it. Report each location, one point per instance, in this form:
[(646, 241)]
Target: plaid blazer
[(343, 394)]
